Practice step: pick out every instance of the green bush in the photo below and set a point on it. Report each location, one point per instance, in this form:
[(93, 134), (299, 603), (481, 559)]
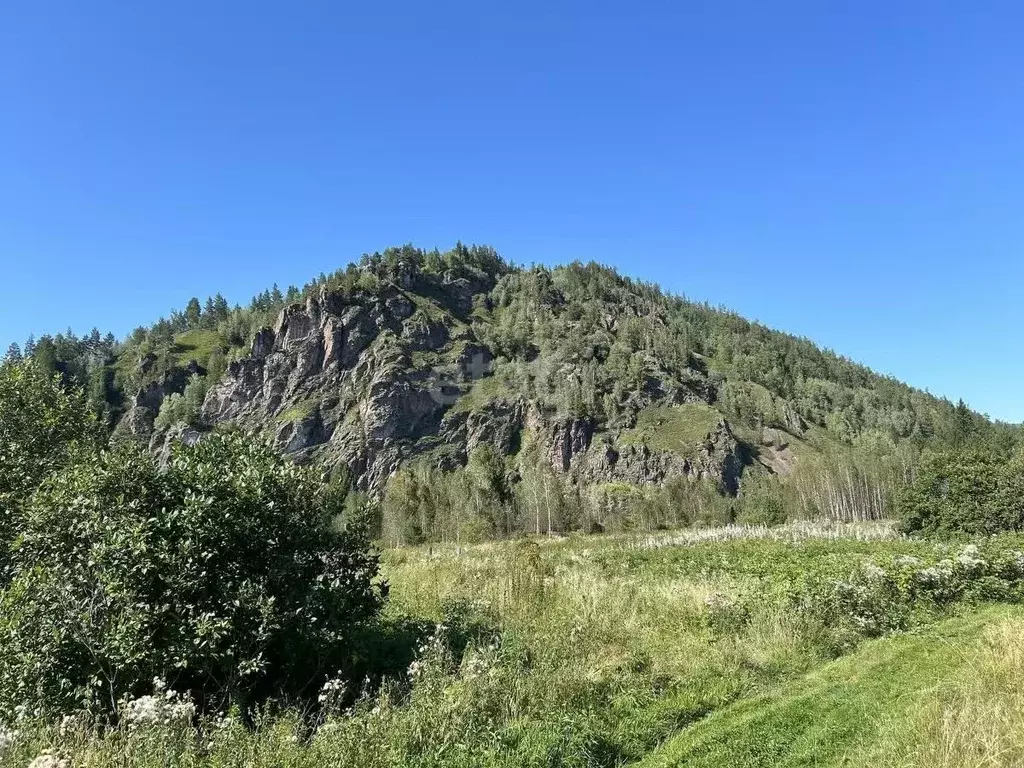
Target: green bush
[(970, 492), (761, 502), (183, 408), (880, 597), (222, 574), (43, 426)]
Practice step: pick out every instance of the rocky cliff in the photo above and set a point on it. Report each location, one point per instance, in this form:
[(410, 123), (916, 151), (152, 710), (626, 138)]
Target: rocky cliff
[(370, 380)]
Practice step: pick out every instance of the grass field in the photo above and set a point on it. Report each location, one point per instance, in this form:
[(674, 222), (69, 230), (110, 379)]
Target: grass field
[(800, 645)]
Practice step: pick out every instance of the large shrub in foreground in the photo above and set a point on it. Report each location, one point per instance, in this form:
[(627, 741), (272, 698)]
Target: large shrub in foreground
[(223, 574)]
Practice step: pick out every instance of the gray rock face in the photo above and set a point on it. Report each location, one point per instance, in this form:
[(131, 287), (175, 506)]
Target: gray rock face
[(567, 439), (351, 380), (335, 381), (718, 458), (137, 422), (498, 424)]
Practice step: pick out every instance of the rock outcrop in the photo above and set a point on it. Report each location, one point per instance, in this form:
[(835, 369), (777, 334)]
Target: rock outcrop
[(138, 420), (372, 380), (719, 458)]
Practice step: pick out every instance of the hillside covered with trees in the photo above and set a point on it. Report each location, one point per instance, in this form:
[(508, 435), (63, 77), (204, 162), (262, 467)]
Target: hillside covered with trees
[(456, 396)]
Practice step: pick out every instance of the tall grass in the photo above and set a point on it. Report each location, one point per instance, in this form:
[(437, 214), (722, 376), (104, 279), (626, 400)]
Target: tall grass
[(576, 651), (974, 719)]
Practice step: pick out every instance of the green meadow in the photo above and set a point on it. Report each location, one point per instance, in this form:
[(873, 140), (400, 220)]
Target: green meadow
[(801, 645)]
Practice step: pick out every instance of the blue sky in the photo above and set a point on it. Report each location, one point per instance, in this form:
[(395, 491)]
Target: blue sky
[(851, 172)]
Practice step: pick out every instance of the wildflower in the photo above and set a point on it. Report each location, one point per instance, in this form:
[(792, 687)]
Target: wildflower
[(1014, 559), (937, 574), (872, 571), (48, 760), (165, 707), (332, 691), (7, 738), (480, 663), (69, 723), (865, 624), (327, 729), (906, 561), (970, 558), (416, 670)]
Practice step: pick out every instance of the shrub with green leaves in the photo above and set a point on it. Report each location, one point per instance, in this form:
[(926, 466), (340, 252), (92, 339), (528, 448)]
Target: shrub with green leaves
[(972, 492), (761, 502), (224, 574), (184, 407), (893, 594), (43, 426)]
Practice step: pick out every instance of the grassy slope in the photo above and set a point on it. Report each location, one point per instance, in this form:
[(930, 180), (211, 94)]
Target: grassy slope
[(198, 344), (679, 428), (831, 715)]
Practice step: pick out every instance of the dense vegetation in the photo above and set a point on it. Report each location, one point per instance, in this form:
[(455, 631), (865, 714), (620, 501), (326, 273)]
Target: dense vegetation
[(582, 341), (229, 572), (739, 647), (612, 332), (221, 604), (212, 333), (968, 491)]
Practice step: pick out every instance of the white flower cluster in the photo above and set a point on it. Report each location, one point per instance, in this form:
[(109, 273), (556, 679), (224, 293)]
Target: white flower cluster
[(164, 707), (866, 624), (476, 665), (873, 572), (333, 691), (48, 760), (906, 561), (70, 723), (327, 729), (968, 560), (937, 574), (7, 738), (971, 559), (432, 646), (415, 671), (801, 530), (851, 591), (22, 712), (1015, 558), (482, 662)]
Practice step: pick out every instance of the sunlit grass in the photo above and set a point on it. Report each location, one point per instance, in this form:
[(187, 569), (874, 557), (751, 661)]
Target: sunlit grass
[(677, 428), (974, 718), (596, 651)]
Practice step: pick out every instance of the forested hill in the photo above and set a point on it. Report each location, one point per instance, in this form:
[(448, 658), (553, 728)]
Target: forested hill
[(548, 398)]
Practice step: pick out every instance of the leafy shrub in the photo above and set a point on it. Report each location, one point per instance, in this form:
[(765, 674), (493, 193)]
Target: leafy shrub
[(724, 614), (762, 503), (184, 407), (970, 492), (222, 575), (43, 426), (875, 599)]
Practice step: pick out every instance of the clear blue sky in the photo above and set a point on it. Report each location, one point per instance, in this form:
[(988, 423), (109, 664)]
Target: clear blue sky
[(848, 171)]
